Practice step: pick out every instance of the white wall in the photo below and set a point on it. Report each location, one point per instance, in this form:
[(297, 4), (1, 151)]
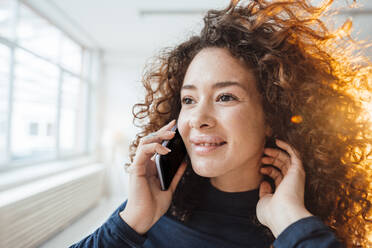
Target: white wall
[(123, 89)]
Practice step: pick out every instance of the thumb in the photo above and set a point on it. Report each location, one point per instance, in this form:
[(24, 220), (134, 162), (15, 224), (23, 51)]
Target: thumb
[(265, 189), (177, 177)]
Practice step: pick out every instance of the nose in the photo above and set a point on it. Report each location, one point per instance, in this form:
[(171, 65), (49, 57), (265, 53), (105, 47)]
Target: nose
[(202, 117)]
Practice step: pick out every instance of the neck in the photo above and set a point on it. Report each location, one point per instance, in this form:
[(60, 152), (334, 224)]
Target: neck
[(239, 180)]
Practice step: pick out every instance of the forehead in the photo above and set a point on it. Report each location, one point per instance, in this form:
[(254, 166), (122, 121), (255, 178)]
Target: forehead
[(213, 65)]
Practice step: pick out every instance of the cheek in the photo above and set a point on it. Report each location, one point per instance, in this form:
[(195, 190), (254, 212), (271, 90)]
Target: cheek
[(247, 128), (182, 125), (251, 116)]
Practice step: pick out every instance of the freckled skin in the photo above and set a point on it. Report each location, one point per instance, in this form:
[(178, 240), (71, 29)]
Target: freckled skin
[(234, 113)]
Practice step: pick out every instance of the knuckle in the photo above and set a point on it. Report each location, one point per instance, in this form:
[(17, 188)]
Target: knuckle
[(275, 173), (284, 164), (159, 147), (273, 160), (153, 147), (142, 140), (144, 149), (148, 137)]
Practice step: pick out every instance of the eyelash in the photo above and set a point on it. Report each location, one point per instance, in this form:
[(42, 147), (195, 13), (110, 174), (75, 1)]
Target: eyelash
[(219, 97)]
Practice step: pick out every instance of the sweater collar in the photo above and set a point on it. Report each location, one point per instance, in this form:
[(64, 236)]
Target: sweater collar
[(234, 203)]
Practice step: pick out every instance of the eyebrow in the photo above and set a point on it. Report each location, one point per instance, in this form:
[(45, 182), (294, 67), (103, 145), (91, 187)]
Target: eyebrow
[(216, 85)]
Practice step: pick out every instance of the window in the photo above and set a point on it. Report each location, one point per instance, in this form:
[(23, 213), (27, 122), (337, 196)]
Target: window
[(38, 35), (7, 18), (35, 94), (71, 55), (43, 91), (49, 129), (4, 99), (73, 114), (34, 129)]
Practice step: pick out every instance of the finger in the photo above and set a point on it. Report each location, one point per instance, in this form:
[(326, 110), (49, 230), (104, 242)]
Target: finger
[(273, 173), (265, 189), (282, 166), (168, 126), (277, 153), (294, 154), (153, 157), (288, 148), (178, 176), (277, 158), (145, 153), (158, 137)]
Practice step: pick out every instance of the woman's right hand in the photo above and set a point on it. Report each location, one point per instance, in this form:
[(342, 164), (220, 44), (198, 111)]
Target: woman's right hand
[(146, 201)]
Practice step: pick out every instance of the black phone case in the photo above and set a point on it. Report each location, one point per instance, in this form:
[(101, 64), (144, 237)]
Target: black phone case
[(167, 165)]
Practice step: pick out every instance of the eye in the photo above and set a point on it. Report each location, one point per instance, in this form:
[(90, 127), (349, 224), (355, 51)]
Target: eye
[(186, 100), (226, 98)]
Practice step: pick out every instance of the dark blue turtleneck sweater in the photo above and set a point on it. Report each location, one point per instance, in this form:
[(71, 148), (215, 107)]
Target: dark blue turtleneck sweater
[(222, 219)]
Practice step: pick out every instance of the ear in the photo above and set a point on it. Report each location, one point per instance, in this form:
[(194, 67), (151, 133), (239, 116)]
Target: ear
[(268, 131)]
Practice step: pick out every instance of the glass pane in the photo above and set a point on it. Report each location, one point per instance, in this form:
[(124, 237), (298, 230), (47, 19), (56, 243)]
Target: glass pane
[(73, 116), (71, 55), (7, 14), (34, 108), (4, 99), (37, 34)]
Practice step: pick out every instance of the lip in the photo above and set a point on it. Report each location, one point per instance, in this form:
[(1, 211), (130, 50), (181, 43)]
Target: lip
[(205, 150), (206, 139)]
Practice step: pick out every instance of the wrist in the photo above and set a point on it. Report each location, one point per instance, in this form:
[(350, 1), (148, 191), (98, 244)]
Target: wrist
[(287, 217), (134, 223)]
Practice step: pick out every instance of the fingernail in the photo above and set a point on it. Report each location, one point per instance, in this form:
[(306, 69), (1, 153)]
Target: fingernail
[(166, 148)]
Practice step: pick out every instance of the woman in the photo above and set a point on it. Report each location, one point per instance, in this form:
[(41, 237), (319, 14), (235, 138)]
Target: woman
[(257, 72)]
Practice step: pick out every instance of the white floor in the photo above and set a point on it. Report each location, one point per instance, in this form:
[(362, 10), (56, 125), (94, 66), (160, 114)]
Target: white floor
[(85, 225)]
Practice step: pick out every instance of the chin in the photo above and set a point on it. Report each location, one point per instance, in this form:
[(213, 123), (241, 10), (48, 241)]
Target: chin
[(205, 169)]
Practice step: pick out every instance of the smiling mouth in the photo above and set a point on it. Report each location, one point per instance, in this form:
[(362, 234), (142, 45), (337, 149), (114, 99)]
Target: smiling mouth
[(207, 148), (211, 144)]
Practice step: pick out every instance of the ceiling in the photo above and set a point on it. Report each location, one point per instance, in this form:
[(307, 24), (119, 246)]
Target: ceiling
[(122, 26), (129, 27)]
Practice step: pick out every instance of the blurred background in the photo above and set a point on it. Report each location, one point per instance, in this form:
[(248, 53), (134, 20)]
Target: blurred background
[(70, 72)]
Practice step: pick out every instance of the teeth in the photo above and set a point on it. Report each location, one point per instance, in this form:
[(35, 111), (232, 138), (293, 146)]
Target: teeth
[(209, 144)]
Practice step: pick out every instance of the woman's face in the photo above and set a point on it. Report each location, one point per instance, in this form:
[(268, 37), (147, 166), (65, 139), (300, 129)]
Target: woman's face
[(221, 119)]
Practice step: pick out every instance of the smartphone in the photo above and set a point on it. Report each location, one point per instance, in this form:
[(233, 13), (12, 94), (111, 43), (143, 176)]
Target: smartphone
[(167, 165)]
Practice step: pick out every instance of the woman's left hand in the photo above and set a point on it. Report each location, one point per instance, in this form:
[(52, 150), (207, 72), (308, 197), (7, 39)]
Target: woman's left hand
[(286, 205)]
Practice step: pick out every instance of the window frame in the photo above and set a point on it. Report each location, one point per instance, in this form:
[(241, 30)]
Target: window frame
[(85, 76)]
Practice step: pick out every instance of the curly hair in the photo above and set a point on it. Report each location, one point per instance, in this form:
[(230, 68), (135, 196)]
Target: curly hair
[(314, 82)]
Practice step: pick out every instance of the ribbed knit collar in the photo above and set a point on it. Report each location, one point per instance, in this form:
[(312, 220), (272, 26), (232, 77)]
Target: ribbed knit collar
[(232, 203)]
